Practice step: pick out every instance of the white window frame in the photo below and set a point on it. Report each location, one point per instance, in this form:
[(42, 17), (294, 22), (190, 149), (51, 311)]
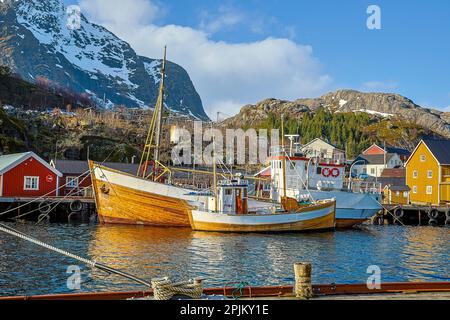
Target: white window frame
[(405, 194), (429, 190), (415, 174), (423, 158), (70, 185), (415, 189), (430, 174), (31, 186)]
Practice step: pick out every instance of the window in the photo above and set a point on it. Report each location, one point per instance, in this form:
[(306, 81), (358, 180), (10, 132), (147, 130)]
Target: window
[(397, 193), (372, 171), (414, 189), (423, 158), (228, 192), (72, 182), (430, 174), (405, 194), (319, 170), (429, 190), (415, 174), (31, 183)]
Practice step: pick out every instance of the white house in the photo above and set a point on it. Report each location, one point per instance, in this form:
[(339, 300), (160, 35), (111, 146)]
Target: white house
[(373, 165), (324, 150)]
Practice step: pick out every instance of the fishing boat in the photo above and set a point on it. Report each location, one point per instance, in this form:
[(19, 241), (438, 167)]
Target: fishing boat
[(309, 179), (232, 213), (146, 198)]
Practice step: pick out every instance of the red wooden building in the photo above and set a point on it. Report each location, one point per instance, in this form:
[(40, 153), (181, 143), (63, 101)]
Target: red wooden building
[(377, 150), (27, 175)]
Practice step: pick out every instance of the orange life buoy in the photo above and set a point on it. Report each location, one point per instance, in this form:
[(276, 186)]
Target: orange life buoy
[(326, 172)]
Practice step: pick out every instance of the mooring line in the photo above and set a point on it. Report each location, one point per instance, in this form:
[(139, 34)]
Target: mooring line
[(41, 197), (93, 264)]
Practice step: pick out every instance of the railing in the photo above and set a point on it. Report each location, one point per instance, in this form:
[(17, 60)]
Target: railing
[(364, 187)]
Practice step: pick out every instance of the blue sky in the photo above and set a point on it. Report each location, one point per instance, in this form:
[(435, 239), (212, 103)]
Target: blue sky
[(409, 55)]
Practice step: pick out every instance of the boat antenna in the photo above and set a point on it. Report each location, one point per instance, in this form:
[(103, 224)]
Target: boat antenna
[(155, 129)]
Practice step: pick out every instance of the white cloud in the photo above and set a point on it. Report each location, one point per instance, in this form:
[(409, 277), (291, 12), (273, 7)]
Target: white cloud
[(226, 18), (226, 75)]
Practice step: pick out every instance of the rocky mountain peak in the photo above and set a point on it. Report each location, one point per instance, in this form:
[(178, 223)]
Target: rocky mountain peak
[(41, 38), (380, 105)]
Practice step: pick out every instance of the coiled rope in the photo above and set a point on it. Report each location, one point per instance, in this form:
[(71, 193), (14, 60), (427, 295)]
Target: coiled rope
[(165, 289)]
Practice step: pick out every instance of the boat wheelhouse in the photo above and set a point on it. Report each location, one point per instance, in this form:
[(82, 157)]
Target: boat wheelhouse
[(306, 177)]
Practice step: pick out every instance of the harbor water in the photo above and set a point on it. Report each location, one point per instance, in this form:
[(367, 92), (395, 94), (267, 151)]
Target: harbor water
[(401, 253)]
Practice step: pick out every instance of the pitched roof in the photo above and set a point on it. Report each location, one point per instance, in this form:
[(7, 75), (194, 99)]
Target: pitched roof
[(375, 158), (399, 182), (78, 167), (394, 173), (440, 149), (399, 151), (320, 139), (9, 161), (396, 150), (399, 188)]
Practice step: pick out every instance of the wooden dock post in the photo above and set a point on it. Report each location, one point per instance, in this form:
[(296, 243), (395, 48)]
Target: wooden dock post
[(303, 285)]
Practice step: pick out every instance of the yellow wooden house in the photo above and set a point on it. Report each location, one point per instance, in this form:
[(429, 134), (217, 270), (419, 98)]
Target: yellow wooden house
[(428, 173), (396, 194)]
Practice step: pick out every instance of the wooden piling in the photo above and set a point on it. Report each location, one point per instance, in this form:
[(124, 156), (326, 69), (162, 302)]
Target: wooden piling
[(303, 285)]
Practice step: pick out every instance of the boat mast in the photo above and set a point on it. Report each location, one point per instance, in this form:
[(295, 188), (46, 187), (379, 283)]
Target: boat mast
[(284, 155), (216, 202), (155, 129), (160, 109)]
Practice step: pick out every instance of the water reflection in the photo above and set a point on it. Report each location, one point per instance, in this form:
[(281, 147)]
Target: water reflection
[(403, 254)]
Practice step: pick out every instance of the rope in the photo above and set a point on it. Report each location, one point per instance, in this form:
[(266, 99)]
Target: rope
[(165, 289), (39, 198), (57, 203), (388, 211), (91, 263)]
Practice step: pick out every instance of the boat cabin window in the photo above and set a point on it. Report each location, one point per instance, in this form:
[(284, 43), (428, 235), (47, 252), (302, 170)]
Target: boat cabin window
[(319, 170), (228, 192)]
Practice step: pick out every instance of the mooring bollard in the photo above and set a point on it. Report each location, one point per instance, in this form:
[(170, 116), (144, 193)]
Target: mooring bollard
[(303, 285)]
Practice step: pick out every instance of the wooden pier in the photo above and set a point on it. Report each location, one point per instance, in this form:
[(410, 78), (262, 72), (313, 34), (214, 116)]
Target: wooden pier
[(53, 209), (414, 215)]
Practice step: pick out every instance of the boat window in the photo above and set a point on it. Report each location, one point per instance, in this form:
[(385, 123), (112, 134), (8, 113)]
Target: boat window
[(319, 170), (228, 192)]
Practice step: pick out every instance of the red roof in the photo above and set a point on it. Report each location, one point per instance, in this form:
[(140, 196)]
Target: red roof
[(394, 173)]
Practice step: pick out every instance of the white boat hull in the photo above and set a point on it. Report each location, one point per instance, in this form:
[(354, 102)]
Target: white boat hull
[(351, 208)]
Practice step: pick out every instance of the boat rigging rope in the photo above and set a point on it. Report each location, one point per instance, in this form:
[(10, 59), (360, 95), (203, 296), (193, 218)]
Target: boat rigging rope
[(58, 202), (91, 263), (41, 197)]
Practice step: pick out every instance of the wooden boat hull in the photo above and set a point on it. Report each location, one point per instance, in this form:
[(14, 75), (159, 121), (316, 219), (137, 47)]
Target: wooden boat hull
[(258, 292), (348, 223), (125, 199), (312, 218)]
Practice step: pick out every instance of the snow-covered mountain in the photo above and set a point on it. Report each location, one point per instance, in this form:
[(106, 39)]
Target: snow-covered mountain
[(45, 38)]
